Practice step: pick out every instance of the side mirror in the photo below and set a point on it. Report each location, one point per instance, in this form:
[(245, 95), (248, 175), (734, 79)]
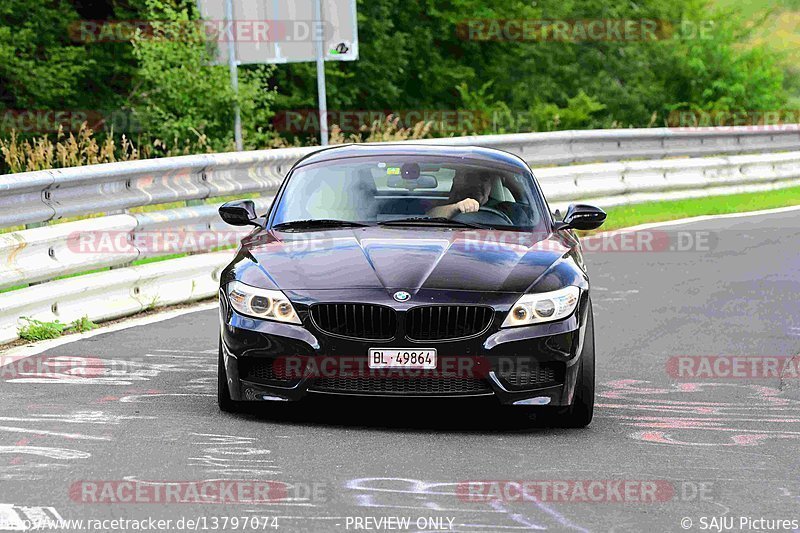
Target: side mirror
[(582, 217), (240, 213)]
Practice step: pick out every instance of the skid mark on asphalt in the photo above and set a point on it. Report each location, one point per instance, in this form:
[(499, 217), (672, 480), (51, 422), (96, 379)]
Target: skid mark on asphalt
[(187, 351), (225, 457), (701, 414), (232, 454), (78, 436), (26, 461), (29, 463), (77, 417), (43, 451), (132, 398)]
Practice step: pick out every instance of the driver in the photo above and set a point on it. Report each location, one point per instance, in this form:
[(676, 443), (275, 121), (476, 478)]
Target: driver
[(469, 192)]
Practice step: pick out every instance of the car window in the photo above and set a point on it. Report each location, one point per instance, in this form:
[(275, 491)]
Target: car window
[(371, 190)]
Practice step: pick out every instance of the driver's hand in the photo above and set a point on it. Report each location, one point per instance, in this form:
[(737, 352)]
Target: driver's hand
[(468, 205)]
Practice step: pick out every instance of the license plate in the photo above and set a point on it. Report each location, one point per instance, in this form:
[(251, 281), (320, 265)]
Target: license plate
[(409, 358)]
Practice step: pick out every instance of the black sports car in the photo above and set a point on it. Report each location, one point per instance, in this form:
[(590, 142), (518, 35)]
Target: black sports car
[(409, 270)]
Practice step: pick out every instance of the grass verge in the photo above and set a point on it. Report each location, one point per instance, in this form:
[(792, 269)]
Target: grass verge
[(624, 216)]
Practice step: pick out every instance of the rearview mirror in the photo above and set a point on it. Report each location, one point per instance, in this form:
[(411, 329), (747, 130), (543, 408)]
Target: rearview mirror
[(425, 181), (582, 217), (240, 213)]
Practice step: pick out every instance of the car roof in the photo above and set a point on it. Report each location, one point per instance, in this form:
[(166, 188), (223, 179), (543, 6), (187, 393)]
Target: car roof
[(413, 149)]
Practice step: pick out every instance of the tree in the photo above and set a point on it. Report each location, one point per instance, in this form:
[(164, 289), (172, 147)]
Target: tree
[(179, 94)]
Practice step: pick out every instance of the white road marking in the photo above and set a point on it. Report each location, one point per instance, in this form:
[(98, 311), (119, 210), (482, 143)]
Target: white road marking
[(41, 451), (80, 417), (138, 397), (78, 436), (183, 351)]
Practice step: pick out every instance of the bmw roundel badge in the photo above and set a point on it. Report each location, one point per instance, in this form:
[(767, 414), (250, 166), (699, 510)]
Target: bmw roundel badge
[(402, 296)]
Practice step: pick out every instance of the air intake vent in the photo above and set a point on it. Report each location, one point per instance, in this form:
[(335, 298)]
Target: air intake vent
[(441, 322), (543, 375), (360, 321), (407, 386), (262, 369)]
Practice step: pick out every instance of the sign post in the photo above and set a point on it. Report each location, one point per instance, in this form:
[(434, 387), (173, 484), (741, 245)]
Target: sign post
[(322, 97), (237, 117)]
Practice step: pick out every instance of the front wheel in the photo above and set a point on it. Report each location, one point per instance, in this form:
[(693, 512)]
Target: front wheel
[(580, 413), (226, 404)]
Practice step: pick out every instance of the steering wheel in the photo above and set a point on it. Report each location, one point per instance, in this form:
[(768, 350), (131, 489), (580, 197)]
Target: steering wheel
[(468, 217)]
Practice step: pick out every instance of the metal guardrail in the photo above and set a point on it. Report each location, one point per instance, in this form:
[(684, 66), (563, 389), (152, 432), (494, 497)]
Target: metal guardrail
[(619, 180), (114, 293), (41, 254), (584, 146), (35, 197), (45, 195)]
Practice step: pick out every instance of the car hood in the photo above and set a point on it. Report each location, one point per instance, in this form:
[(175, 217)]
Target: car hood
[(404, 258)]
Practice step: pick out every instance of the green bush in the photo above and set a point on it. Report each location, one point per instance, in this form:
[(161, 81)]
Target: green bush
[(181, 95), (413, 56), (82, 324), (36, 330)]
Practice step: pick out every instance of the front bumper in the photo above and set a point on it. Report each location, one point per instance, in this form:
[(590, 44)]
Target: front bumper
[(529, 365)]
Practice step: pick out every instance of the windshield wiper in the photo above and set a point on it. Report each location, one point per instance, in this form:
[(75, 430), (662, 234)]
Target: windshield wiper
[(318, 223), (437, 221)]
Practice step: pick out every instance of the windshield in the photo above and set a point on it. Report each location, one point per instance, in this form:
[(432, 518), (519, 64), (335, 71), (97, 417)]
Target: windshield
[(419, 190)]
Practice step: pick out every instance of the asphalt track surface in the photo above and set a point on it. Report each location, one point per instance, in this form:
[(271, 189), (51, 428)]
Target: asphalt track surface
[(139, 405)]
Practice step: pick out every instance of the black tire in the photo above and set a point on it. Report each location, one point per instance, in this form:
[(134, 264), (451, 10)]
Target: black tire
[(580, 413), (226, 404)]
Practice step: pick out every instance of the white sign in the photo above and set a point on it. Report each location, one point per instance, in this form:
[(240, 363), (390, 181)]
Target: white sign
[(282, 31)]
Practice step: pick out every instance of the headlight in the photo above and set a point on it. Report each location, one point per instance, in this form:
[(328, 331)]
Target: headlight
[(543, 307), (261, 303)]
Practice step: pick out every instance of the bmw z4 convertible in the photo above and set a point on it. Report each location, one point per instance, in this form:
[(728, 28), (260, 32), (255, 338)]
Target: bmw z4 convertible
[(409, 270)]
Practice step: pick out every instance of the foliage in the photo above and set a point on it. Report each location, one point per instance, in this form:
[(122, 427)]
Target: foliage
[(382, 131), (82, 325), (67, 151), (36, 330), (414, 56), (179, 94), (84, 148), (45, 65)]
